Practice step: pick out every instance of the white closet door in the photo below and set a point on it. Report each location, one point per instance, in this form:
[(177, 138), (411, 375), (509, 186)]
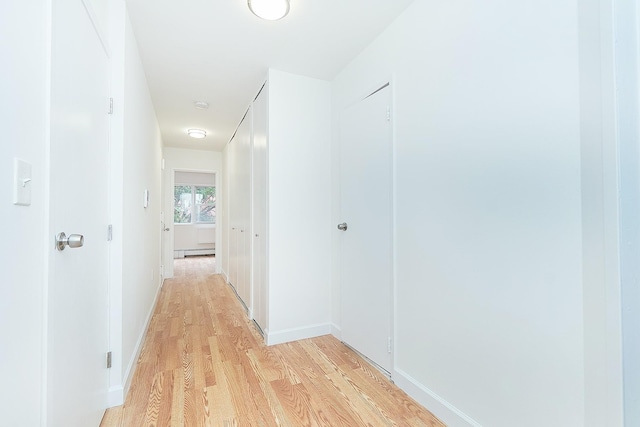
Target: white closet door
[(259, 204), (243, 197), (232, 162), (366, 245)]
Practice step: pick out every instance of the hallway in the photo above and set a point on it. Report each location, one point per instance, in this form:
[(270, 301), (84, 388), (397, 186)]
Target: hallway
[(203, 363)]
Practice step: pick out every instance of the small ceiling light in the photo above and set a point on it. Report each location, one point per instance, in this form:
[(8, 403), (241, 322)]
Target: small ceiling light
[(197, 133), (201, 105), (271, 10)]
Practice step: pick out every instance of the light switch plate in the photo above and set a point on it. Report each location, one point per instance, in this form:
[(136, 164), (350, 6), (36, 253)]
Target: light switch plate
[(21, 182)]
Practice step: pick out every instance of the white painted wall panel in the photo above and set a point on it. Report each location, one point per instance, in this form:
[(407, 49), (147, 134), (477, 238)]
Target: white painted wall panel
[(24, 31), (194, 237), (299, 202), (142, 155), (628, 87), (488, 206), (194, 178), (259, 204)]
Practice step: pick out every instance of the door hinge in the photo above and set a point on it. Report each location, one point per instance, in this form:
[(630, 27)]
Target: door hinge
[(109, 360), (109, 232), (388, 114), (110, 105), (389, 345)]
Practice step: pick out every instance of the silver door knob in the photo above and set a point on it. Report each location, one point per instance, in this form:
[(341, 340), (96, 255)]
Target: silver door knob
[(73, 241), (166, 229), (342, 227)]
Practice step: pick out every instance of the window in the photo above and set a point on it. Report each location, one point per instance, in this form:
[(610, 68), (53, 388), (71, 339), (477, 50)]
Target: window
[(205, 204), (194, 204)]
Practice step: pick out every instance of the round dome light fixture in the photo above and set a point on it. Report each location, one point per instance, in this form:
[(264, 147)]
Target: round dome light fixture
[(201, 105), (197, 133), (271, 10)]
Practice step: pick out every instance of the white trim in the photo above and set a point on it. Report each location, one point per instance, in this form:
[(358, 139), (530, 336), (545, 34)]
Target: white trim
[(393, 332), (336, 331), (117, 393), (182, 253), (46, 224), (115, 396), (442, 409), (88, 7), (296, 334)]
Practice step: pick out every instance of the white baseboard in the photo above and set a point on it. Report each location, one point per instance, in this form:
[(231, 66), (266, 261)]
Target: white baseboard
[(131, 366), (336, 331), (181, 253), (442, 409), (115, 396), (295, 334)]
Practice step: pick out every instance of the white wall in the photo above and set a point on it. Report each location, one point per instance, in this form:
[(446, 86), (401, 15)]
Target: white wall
[(600, 243), (24, 109), (117, 24), (489, 323), (140, 240), (299, 206), (186, 160), (628, 93), (194, 237)]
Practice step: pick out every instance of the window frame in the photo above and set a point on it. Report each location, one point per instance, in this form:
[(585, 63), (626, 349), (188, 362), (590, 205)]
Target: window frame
[(195, 208)]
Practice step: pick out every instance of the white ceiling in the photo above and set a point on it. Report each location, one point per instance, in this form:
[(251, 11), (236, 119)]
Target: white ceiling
[(219, 52)]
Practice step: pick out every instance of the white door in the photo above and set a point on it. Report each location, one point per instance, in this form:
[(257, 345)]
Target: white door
[(259, 203), (78, 283), (242, 195), (232, 221), (366, 244)]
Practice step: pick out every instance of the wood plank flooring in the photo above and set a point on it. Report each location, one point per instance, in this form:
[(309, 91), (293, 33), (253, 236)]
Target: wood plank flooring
[(203, 363)]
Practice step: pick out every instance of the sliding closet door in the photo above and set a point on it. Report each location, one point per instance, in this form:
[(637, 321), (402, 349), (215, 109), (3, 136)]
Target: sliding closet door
[(243, 198), (232, 170)]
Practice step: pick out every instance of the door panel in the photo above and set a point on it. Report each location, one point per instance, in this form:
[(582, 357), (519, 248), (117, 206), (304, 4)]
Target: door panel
[(78, 285), (232, 158), (259, 153), (242, 195), (366, 207)]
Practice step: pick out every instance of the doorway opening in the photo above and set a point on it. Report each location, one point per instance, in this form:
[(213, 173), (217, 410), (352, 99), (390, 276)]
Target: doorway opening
[(194, 222)]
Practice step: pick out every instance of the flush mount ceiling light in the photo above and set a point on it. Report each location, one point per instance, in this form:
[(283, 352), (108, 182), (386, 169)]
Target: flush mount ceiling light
[(201, 105), (197, 133), (271, 10)]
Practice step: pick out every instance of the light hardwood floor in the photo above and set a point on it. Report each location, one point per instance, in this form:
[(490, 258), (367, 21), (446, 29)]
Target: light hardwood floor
[(203, 363)]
